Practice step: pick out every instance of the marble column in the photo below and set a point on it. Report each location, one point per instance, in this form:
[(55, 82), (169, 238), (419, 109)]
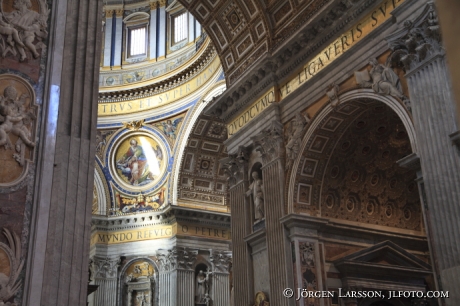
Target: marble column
[(271, 146), (106, 276), (108, 37), (117, 52), (57, 266), (236, 168), (434, 118), (153, 30)]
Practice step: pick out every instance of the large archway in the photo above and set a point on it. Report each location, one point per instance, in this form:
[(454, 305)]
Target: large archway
[(348, 169)]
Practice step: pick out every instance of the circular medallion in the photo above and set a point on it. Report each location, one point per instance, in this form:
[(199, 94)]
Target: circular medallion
[(139, 161)]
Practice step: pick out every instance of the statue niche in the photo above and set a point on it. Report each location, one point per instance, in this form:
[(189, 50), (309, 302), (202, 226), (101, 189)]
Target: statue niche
[(202, 285), (139, 284), (256, 192)]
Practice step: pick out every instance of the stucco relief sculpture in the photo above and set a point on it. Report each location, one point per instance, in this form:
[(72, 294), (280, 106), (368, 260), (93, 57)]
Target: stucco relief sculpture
[(22, 28), (382, 79), (10, 267), (17, 126), (257, 193), (297, 129), (202, 288)]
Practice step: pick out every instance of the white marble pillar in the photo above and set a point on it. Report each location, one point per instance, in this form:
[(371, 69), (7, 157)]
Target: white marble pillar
[(108, 37), (153, 30), (162, 37), (271, 146), (236, 168), (60, 230), (434, 119), (106, 276), (117, 52)]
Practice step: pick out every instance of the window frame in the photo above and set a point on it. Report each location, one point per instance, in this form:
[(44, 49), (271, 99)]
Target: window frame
[(133, 22)]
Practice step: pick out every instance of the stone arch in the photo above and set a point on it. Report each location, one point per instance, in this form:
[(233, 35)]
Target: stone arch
[(199, 177), (184, 143), (121, 277), (313, 171)]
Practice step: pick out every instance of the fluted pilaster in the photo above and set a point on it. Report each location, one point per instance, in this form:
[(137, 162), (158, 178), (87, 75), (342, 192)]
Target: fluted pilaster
[(220, 289), (106, 275), (270, 144), (185, 287), (236, 170), (433, 113)]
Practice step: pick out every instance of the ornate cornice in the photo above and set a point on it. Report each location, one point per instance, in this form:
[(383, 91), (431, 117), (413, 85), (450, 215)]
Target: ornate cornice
[(175, 80)]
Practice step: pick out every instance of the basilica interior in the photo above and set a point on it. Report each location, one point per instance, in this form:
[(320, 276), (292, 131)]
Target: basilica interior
[(229, 153)]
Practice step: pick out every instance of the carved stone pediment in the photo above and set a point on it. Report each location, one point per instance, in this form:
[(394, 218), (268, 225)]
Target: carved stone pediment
[(417, 41), (382, 260)]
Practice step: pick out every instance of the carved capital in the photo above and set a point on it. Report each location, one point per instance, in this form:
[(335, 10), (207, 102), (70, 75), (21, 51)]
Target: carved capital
[(176, 258), (119, 13), (185, 258), (417, 41), (105, 267), (221, 260), (167, 259), (234, 166), (270, 142), (153, 5), (109, 13), (162, 3)]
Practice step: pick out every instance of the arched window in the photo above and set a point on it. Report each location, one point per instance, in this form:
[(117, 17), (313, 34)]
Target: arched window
[(136, 36), (180, 28)]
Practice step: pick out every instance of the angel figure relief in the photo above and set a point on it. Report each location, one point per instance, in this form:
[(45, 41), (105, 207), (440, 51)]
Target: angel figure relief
[(383, 80), (15, 119), (23, 28)]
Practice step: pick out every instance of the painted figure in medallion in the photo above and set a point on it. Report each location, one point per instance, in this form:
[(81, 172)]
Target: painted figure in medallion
[(134, 164)]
